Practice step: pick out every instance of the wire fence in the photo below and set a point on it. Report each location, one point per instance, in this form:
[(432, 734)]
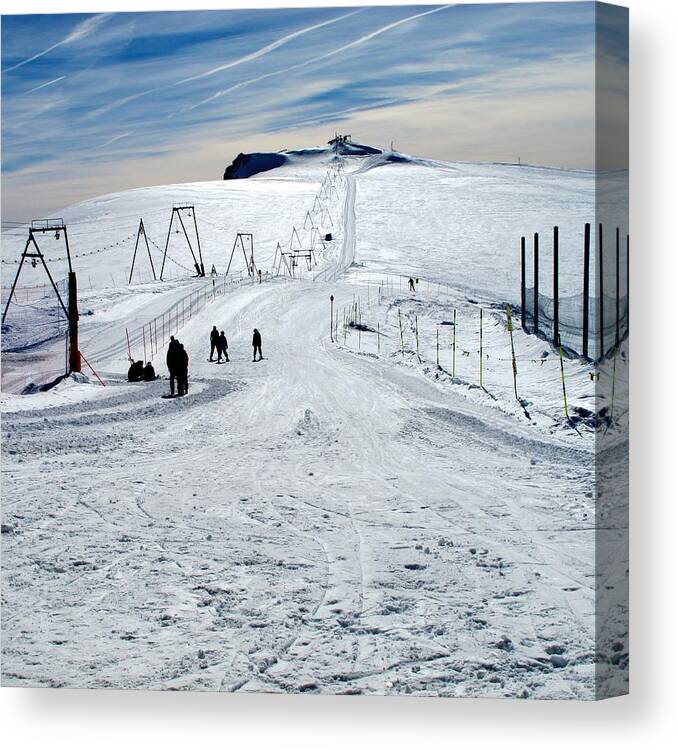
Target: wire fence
[(571, 322), (147, 338)]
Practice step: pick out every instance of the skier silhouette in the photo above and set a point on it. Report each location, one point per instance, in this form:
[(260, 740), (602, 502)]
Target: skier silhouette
[(222, 348), (173, 362), (214, 342), (256, 345)]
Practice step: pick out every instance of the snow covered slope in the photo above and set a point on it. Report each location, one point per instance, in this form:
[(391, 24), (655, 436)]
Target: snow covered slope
[(344, 516)]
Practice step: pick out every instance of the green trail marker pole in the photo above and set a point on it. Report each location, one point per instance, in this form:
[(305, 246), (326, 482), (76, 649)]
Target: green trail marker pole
[(402, 340), (509, 321), (562, 377), (481, 347), (416, 334), (454, 344), (614, 377)]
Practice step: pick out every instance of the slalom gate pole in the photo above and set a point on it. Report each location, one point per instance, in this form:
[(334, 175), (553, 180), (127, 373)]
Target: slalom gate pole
[(481, 347), (437, 350), (514, 366), (359, 338), (454, 344), (562, 377), (416, 334), (336, 325), (143, 335), (614, 377), (129, 348), (402, 341), (378, 340)]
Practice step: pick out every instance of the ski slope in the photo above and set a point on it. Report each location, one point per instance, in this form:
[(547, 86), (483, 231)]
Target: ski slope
[(334, 518)]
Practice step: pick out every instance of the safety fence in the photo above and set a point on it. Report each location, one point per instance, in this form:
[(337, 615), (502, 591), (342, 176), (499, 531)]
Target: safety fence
[(149, 337), (465, 342), (594, 322)]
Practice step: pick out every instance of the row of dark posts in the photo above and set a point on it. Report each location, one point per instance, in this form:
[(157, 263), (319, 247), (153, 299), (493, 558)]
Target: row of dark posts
[(586, 289)]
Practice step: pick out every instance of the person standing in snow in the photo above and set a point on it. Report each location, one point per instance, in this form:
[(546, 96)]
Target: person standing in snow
[(214, 343), (222, 347), (182, 371), (256, 345), (411, 284), (173, 362)]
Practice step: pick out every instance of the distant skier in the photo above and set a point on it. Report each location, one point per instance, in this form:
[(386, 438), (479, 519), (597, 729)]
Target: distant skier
[(149, 373), (182, 371), (173, 362), (256, 345), (214, 342), (411, 284), (222, 348), (259, 273), (213, 272), (135, 372)]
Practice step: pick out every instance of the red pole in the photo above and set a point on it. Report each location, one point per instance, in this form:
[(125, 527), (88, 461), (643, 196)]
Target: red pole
[(92, 369)]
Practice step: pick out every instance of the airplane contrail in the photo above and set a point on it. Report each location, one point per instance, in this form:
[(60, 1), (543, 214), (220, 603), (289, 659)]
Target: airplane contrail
[(319, 58), (82, 30), (246, 58), (269, 47), (44, 85)]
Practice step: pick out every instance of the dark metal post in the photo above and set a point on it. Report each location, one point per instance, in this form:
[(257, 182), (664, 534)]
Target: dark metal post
[(585, 307), (601, 300), (522, 283), (556, 333), (535, 252), (616, 339), (331, 315), (74, 351)]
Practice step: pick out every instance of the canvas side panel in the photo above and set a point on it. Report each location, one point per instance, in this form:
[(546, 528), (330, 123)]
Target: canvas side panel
[(612, 244)]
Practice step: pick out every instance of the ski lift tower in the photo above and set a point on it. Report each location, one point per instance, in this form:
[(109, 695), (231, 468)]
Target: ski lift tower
[(32, 252), (245, 242), (178, 211)]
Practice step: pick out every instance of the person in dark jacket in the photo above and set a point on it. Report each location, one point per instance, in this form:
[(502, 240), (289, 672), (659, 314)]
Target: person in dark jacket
[(173, 362), (256, 345), (222, 347), (214, 342), (135, 372), (411, 284), (182, 371), (149, 373)]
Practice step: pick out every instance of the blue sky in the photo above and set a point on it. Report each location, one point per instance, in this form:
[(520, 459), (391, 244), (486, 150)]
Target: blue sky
[(96, 103)]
